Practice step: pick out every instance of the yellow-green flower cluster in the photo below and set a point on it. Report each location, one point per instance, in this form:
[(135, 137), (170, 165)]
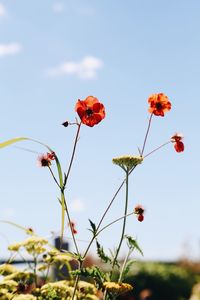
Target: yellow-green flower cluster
[(59, 289), (7, 288), (7, 269), (33, 245), (5, 295), (117, 288), (20, 275), (55, 256), (15, 247), (24, 297), (86, 287), (127, 162)]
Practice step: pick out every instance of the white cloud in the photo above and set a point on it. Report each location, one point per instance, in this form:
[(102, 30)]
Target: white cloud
[(2, 10), (58, 7), (77, 205), (10, 49), (85, 69)]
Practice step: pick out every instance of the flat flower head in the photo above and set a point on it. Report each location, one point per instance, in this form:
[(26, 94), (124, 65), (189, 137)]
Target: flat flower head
[(117, 287), (159, 104), (127, 162), (90, 111)]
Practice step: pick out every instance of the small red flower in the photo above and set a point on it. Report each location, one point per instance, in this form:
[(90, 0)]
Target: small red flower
[(90, 111), (73, 227), (159, 104), (140, 218), (139, 211), (44, 160), (177, 140)]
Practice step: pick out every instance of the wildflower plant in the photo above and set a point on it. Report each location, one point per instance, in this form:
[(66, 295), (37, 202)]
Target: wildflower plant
[(27, 284)]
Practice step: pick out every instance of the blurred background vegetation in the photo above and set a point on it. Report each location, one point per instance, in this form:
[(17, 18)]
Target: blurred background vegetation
[(164, 281)]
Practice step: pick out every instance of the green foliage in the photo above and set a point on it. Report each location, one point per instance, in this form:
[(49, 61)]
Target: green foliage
[(127, 269), (166, 281), (100, 251), (94, 273), (93, 226), (132, 244)]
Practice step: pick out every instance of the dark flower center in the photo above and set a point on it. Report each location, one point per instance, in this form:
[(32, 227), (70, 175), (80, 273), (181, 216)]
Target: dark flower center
[(89, 112), (158, 105), (44, 162)]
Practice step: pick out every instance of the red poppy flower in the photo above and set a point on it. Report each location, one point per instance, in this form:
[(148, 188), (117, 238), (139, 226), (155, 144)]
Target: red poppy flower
[(90, 111), (159, 104), (177, 140), (44, 160)]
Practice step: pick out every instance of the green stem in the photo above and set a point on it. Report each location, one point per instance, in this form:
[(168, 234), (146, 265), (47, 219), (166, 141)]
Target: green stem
[(73, 154), (147, 132), (54, 177), (101, 220), (35, 269), (77, 280), (113, 222), (124, 265), (156, 149), (70, 224), (123, 227)]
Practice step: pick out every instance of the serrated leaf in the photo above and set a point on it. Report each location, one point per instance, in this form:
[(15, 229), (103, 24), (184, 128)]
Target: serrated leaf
[(101, 254), (93, 226), (132, 244), (127, 269), (94, 272)]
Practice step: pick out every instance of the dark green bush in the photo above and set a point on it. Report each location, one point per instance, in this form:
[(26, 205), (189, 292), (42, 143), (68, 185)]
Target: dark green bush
[(166, 281)]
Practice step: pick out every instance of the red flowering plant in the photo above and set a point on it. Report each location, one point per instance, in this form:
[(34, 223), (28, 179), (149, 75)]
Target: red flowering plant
[(91, 112)]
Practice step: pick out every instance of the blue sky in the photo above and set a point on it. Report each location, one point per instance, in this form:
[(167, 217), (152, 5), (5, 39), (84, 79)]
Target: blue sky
[(55, 52)]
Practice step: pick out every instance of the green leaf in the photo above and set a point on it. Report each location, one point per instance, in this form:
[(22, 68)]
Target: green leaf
[(19, 139), (27, 230), (62, 200), (101, 254), (127, 269), (132, 244), (94, 229), (12, 141), (94, 272)]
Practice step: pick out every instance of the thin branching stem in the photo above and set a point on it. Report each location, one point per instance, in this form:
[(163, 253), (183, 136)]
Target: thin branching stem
[(54, 178), (158, 148), (124, 224), (73, 154), (146, 135)]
